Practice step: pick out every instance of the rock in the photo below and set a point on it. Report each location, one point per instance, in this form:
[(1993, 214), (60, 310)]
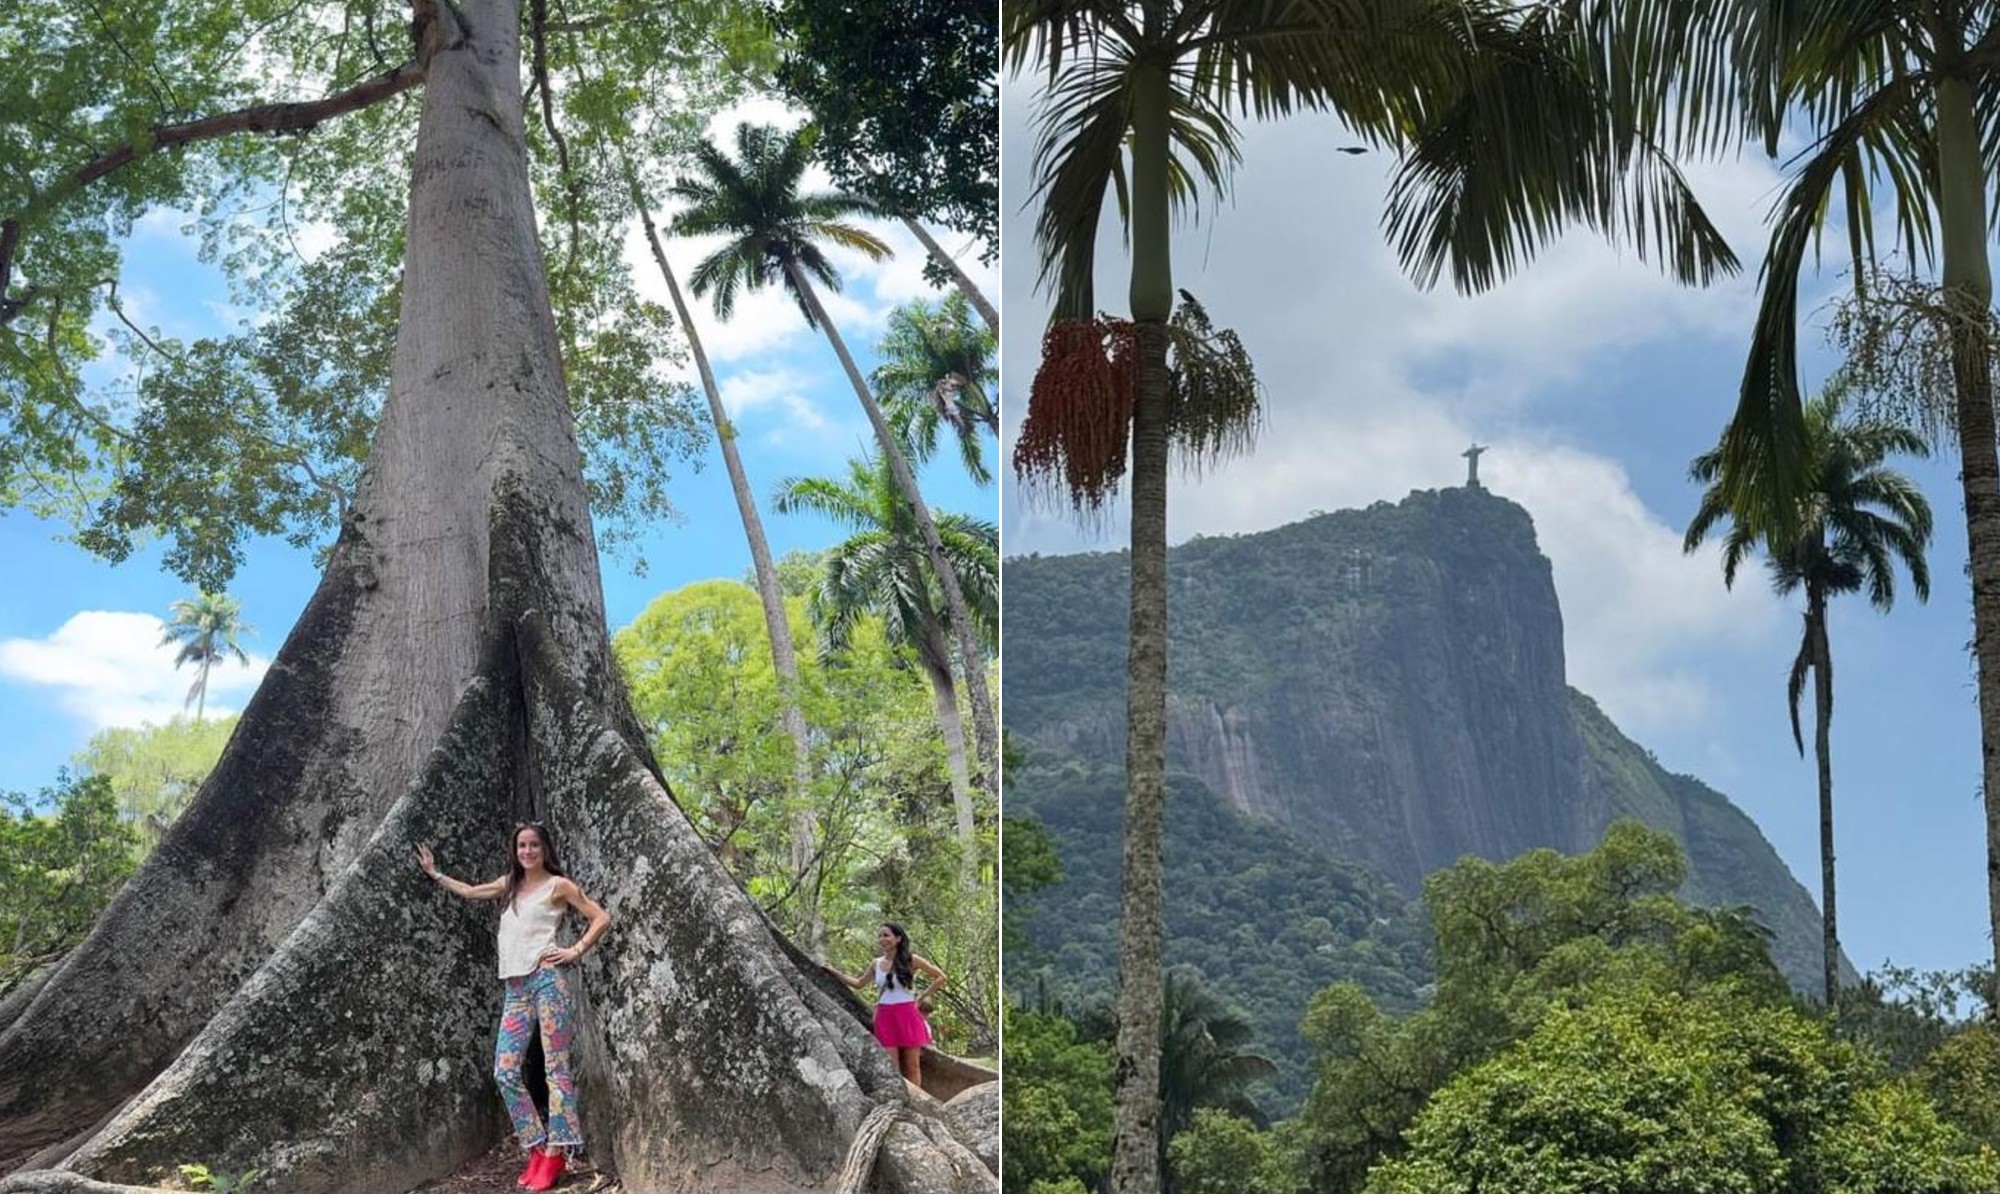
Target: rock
[(1389, 684), (975, 1120)]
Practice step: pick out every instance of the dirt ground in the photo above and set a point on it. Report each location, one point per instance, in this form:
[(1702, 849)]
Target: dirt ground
[(495, 1173)]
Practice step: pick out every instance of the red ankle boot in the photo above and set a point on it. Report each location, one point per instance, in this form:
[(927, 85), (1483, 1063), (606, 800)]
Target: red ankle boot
[(551, 1171), (537, 1157)]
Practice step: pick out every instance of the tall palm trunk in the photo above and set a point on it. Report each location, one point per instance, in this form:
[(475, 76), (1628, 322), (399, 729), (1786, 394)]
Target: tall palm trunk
[(1968, 280), (201, 690), (971, 658), (1822, 657), (950, 266), (805, 826), (936, 660), (1135, 1160)]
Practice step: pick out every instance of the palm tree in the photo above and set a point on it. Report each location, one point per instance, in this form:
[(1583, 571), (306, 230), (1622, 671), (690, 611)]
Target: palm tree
[(777, 234), (884, 571), (1204, 1059), (949, 264), (784, 659), (1512, 135), (937, 371), (206, 627), (1896, 95), (1856, 518)]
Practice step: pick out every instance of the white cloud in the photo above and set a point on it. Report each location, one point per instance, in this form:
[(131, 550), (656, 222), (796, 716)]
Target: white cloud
[(108, 668), (779, 400)]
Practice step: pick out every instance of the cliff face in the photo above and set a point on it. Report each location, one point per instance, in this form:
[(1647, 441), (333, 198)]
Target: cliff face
[(1387, 683)]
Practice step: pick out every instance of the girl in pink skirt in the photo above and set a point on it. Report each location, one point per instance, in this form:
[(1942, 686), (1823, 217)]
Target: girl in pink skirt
[(899, 1016)]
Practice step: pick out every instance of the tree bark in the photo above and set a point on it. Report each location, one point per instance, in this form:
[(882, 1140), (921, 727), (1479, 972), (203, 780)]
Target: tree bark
[(278, 988), (1823, 753), (958, 275), (936, 660), (971, 658), (1968, 282), (1136, 1099), (805, 830)]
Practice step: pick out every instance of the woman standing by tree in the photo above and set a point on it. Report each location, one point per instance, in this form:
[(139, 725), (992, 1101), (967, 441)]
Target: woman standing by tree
[(899, 1010), (536, 971)]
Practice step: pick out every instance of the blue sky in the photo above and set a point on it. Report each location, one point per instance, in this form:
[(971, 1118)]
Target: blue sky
[(78, 637), (1595, 381)]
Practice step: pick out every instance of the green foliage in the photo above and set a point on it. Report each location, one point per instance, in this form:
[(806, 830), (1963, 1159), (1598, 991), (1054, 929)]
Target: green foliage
[(937, 371), (1903, 1015), (1515, 941), (698, 666), (1963, 1077), (1055, 1105), (1031, 861), (154, 771), (798, 572), (62, 857), (1680, 1094), (884, 571), (264, 430), (907, 98), (1221, 1153), (1249, 904), (201, 1177)]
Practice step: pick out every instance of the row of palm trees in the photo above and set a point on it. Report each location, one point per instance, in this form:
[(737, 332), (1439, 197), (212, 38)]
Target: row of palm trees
[(1513, 120), (777, 234)]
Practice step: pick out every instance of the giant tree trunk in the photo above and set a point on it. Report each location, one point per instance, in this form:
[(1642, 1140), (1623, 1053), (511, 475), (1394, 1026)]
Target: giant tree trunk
[(278, 988), (950, 265), (1136, 1099), (805, 828), (1823, 752), (971, 658), (1968, 283)]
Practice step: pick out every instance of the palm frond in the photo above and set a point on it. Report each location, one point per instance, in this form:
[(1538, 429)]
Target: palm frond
[(1530, 146), (847, 236), (1795, 684), (1763, 449)]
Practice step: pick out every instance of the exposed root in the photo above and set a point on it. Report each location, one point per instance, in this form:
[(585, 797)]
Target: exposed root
[(861, 1154), (352, 1061)]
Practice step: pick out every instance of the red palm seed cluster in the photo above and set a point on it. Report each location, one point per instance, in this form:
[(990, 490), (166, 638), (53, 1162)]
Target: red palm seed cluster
[(1080, 410)]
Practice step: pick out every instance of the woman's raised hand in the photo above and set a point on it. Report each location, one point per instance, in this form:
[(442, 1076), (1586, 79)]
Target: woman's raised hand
[(425, 862)]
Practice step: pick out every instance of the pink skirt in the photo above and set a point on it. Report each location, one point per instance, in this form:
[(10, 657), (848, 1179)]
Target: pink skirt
[(901, 1026)]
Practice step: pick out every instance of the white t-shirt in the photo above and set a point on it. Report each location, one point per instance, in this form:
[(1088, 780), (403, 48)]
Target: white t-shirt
[(527, 927), (890, 990)]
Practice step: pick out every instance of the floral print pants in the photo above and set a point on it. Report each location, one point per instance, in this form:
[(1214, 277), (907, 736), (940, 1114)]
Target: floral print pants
[(541, 998)]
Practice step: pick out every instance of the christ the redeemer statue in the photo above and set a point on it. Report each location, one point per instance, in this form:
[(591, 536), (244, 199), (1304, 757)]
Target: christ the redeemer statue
[(1471, 455)]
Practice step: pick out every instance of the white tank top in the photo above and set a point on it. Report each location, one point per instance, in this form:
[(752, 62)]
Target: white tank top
[(527, 927), (889, 990)]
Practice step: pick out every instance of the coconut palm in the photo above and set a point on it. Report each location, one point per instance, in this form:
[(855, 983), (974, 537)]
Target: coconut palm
[(1204, 1058), (776, 237), (1856, 519), (206, 627), (884, 570), (1896, 98), (1514, 130), (784, 659), (937, 371)]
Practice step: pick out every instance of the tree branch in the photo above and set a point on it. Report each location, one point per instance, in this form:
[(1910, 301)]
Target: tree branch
[(267, 119), (541, 69)]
